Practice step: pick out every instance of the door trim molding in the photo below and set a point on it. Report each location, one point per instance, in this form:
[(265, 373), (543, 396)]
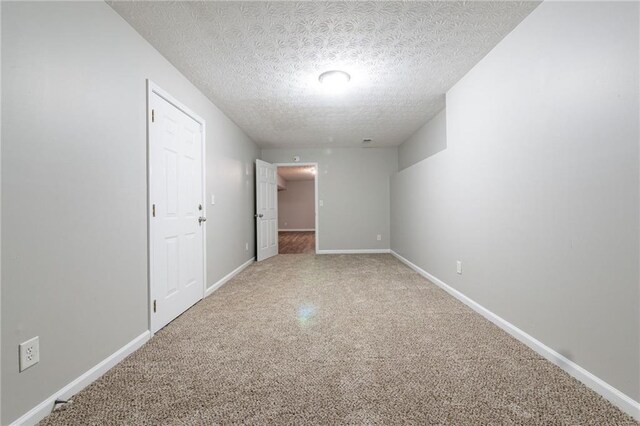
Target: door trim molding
[(151, 89), (315, 194), (613, 395)]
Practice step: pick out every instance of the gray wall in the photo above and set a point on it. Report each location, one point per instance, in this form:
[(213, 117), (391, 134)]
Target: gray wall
[(74, 263), (427, 141), (296, 205), (537, 192), (354, 186)]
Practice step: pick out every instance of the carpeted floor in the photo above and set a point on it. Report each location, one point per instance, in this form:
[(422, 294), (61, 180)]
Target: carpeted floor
[(334, 339)]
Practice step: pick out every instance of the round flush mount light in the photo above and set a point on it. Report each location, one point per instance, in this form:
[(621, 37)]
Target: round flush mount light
[(334, 79)]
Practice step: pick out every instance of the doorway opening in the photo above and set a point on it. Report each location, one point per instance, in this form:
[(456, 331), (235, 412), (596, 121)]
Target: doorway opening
[(297, 208)]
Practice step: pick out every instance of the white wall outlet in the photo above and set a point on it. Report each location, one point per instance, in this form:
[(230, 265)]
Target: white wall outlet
[(29, 353), (246, 246), (321, 203), (459, 267), (379, 237), (213, 199)]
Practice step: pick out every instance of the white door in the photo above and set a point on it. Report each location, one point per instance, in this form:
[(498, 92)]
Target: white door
[(266, 210), (177, 215)]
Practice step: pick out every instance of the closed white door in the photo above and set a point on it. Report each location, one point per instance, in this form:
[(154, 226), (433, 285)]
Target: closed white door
[(177, 211), (266, 210)]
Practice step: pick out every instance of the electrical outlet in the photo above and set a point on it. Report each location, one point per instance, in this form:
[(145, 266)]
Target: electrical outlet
[(321, 203), (29, 353), (459, 267), (379, 237), (246, 246)]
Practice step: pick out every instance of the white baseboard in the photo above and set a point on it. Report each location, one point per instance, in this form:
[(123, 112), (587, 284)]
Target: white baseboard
[(222, 281), (613, 395), (296, 230), (41, 411), (361, 251)]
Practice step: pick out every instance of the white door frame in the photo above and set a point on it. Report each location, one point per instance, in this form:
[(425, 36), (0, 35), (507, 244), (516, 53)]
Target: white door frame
[(316, 195), (151, 89)]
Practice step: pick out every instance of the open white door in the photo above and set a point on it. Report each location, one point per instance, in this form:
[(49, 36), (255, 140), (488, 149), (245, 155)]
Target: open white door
[(176, 229), (266, 210)]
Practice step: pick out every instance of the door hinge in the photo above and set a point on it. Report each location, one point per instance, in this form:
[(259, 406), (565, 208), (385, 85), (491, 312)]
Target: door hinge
[(153, 115), (154, 306), (153, 210)]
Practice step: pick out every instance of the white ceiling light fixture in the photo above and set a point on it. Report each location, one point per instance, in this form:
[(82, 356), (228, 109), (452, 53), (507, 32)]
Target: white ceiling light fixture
[(334, 80)]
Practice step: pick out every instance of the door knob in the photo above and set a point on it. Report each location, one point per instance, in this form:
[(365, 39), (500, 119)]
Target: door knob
[(201, 219), (259, 215)]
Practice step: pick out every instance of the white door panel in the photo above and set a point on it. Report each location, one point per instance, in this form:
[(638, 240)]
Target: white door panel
[(176, 234), (266, 210)]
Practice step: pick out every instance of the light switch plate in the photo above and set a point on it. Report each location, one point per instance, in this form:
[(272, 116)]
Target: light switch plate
[(213, 199), (459, 267)]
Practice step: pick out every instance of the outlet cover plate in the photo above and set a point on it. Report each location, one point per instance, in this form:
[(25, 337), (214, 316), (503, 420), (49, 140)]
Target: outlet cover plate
[(29, 353)]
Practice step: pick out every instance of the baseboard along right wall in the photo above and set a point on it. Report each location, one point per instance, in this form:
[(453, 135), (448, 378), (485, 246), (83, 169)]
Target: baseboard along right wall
[(535, 188)]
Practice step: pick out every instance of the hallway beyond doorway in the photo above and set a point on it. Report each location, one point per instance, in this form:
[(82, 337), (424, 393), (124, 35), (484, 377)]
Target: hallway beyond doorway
[(296, 242)]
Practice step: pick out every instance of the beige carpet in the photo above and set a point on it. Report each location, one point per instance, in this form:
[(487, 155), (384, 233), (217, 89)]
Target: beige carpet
[(334, 339)]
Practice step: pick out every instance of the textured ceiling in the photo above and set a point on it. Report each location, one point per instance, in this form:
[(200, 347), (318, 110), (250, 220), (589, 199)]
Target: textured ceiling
[(296, 173), (259, 61)]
